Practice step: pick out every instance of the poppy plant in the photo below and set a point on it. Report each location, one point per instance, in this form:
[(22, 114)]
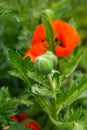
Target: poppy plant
[(21, 117), (65, 37)]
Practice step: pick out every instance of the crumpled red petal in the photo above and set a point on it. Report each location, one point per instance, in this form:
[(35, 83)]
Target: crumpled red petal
[(33, 125), (62, 31)]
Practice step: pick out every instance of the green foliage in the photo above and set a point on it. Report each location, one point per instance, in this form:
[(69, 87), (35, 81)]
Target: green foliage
[(49, 33), (64, 87), (18, 19), (7, 106), (73, 93), (70, 63), (41, 91), (21, 67), (40, 79), (83, 62), (79, 126), (18, 126), (53, 99)]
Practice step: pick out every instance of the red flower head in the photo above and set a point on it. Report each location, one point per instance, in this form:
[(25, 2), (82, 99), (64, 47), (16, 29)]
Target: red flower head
[(19, 117), (63, 32), (33, 125)]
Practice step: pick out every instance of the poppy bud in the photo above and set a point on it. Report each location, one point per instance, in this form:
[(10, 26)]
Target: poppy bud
[(45, 63), (52, 57)]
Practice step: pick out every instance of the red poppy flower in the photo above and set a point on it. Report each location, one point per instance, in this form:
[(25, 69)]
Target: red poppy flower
[(19, 117), (33, 125), (63, 32)]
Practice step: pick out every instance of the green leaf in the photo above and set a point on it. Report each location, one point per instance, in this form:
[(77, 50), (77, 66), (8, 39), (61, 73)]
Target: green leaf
[(49, 33), (40, 90), (55, 80), (72, 115), (40, 79), (83, 95), (66, 98), (72, 22), (45, 104), (67, 66), (21, 66), (15, 73), (18, 63), (7, 105), (18, 126)]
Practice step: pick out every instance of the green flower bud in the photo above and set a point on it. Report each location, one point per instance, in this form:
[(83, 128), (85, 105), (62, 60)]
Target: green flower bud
[(43, 65), (52, 57)]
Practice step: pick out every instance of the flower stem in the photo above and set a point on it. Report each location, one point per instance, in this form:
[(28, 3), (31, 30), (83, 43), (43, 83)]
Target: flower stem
[(54, 98), (50, 80)]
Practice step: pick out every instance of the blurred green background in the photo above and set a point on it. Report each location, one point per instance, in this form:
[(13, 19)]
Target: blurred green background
[(18, 19)]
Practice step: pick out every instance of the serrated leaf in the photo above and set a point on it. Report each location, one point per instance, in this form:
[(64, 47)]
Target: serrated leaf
[(40, 90), (38, 78), (27, 64), (18, 63), (7, 105), (76, 115), (73, 115), (21, 66), (49, 33), (14, 73), (16, 59), (18, 126), (45, 104), (79, 87), (73, 94), (69, 66)]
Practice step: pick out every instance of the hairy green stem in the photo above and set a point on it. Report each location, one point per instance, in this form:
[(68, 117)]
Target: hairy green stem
[(54, 98), (50, 81)]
